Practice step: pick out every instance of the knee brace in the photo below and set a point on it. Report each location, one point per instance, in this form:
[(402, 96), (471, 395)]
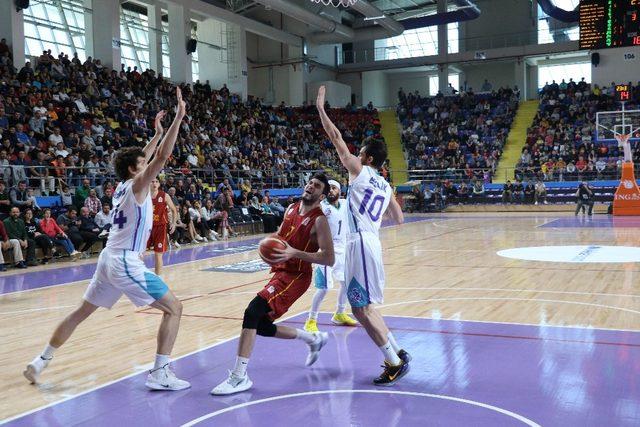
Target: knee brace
[(254, 313)]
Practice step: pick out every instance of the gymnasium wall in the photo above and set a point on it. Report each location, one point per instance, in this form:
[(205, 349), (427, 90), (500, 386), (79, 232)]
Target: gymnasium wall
[(354, 81), (338, 94), (614, 67), (409, 82), (499, 74), (375, 88)]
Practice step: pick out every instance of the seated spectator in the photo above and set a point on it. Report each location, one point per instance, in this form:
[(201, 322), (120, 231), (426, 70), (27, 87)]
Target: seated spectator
[(41, 239), (518, 191), (16, 230), (529, 192), (10, 244), (541, 192), (478, 188), (69, 224), (89, 230), (5, 201), (190, 231), (215, 219), (103, 220), (200, 223), (50, 227), (507, 192)]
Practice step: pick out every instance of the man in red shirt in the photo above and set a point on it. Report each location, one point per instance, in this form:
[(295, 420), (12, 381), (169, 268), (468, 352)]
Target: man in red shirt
[(158, 237), (306, 231)]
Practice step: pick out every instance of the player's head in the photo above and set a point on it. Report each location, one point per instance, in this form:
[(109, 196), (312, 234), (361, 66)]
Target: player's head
[(155, 184), (334, 191), (373, 154), (316, 189), (129, 162)]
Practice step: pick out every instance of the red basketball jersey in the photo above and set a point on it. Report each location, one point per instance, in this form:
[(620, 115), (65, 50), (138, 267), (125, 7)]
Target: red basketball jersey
[(160, 212), (296, 231)]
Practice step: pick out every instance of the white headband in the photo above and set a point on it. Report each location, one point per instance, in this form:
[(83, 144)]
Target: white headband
[(334, 183)]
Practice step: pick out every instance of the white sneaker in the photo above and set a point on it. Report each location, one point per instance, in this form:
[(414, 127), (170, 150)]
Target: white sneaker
[(199, 238), (176, 244), (316, 346), (212, 236), (104, 233), (164, 379), (35, 368), (233, 384)]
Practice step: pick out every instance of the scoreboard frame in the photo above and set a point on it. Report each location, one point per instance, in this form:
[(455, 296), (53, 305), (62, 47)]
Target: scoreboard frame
[(609, 24)]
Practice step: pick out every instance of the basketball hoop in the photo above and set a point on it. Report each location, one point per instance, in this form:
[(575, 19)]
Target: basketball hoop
[(336, 3)]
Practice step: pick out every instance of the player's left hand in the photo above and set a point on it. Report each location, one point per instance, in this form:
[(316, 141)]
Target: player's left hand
[(172, 228), (283, 255)]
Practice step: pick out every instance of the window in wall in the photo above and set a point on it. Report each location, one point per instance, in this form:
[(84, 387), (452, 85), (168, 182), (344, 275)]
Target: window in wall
[(575, 71), (454, 79), (195, 67), (134, 39), (453, 37), (553, 31), (414, 43), (57, 25), (166, 67)]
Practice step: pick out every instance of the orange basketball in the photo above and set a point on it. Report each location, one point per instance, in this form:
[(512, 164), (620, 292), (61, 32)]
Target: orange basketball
[(267, 245)]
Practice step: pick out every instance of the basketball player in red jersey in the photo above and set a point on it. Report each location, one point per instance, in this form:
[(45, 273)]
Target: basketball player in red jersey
[(158, 237), (306, 231)]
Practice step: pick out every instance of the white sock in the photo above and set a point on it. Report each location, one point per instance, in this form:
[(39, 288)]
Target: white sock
[(305, 336), (392, 341), (342, 298), (47, 353), (240, 370), (315, 303), (161, 360), (390, 355)]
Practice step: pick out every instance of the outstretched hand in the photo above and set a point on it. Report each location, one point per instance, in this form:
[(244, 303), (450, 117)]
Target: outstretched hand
[(182, 105), (321, 95), (283, 255), (158, 121)]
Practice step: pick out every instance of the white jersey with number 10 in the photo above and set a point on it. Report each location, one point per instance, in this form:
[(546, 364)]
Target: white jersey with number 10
[(369, 196)]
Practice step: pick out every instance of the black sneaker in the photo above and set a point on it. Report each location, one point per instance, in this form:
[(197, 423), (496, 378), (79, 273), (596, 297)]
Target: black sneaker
[(391, 373), (21, 264), (406, 357)]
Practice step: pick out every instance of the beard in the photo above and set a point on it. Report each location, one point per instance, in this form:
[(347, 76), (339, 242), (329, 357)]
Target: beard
[(332, 199), (308, 200)]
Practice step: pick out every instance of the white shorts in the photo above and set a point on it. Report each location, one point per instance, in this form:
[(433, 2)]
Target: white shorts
[(120, 272), (325, 275), (364, 271)]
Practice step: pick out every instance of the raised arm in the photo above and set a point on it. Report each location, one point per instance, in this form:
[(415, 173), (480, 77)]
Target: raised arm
[(142, 181), (150, 148), (349, 161)]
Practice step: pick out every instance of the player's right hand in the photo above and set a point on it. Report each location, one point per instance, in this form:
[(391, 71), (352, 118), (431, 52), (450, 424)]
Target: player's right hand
[(321, 96)]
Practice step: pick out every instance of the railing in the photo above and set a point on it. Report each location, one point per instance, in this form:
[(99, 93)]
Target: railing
[(487, 176), (73, 176)]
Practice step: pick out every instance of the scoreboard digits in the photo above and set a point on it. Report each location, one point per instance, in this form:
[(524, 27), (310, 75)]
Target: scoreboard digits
[(609, 23)]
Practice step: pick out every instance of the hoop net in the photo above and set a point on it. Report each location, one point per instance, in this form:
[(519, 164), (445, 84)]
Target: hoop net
[(622, 138), (336, 3)]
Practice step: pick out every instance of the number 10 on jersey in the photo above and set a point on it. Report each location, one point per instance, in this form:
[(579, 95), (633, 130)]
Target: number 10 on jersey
[(374, 205)]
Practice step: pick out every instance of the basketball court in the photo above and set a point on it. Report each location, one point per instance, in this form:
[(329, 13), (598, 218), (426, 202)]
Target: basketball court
[(497, 339)]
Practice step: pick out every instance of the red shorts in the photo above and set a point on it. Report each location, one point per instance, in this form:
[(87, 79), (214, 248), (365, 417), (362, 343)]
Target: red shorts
[(284, 288), (158, 238)]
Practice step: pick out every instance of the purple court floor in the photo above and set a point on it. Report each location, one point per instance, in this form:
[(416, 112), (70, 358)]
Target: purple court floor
[(583, 221), (463, 374)]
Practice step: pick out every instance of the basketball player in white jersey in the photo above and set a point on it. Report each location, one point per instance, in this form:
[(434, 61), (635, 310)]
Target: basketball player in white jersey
[(120, 269), (335, 209), (368, 199)]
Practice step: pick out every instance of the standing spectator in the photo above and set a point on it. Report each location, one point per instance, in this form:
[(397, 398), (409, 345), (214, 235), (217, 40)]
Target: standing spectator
[(93, 203), (20, 197), (35, 233), (82, 193), (50, 227), (16, 230), (7, 244)]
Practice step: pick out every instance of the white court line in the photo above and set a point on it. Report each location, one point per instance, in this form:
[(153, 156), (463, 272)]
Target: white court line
[(611, 307), (133, 374), (502, 411), (604, 294), (31, 310)]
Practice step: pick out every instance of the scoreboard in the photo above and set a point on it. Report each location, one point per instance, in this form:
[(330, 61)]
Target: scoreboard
[(609, 23)]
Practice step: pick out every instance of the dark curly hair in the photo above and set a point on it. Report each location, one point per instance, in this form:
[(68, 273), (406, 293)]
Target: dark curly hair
[(377, 150), (125, 158), (324, 180)]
